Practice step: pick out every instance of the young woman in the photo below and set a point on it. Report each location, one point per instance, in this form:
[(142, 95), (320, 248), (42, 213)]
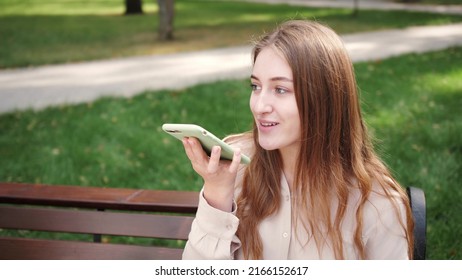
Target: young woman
[(314, 189)]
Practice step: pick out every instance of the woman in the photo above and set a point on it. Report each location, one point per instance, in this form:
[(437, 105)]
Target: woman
[(314, 189)]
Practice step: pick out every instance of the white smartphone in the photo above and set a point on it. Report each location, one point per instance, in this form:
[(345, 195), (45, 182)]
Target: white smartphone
[(207, 139)]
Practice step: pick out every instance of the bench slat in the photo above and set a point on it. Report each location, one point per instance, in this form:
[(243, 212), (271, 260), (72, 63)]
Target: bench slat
[(100, 198), (73, 209), (85, 221), (37, 249)]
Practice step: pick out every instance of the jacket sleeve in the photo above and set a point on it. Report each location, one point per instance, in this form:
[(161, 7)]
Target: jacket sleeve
[(387, 239), (213, 234)]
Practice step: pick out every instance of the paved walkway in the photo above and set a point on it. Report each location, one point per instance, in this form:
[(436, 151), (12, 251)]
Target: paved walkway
[(82, 82), (370, 4)]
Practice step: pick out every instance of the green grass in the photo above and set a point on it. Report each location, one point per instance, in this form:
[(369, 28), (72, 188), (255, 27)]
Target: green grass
[(128, 142), (47, 32), (440, 2), (413, 106), (411, 103)]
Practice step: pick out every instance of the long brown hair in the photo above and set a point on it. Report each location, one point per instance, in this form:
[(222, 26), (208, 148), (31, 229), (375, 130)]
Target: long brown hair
[(336, 154)]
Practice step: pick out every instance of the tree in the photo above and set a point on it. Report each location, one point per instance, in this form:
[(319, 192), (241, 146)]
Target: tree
[(133, 7), (355, 8), (166, 15)]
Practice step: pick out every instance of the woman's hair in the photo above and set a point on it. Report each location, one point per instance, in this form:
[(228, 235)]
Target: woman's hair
[(336, 155)]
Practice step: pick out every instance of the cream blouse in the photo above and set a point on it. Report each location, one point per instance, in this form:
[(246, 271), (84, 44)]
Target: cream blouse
[(213, 232)]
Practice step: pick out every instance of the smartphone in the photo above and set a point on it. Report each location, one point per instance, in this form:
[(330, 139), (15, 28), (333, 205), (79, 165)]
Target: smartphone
[(207, 139)]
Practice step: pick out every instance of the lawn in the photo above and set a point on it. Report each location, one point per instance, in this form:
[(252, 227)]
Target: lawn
[(47, 32), (440, 2), (411, 104)]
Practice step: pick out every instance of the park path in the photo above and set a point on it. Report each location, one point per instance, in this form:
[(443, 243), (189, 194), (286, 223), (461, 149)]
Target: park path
[(371, 4), (40, 87)]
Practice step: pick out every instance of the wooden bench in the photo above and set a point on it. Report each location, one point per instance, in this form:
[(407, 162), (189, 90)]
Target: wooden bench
[(99, 212), (115, 212)]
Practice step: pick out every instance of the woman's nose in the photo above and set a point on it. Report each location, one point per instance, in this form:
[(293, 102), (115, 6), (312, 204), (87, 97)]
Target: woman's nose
[(262, 104)]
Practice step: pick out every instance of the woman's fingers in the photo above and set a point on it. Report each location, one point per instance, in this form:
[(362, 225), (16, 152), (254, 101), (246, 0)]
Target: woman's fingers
[(214, 162), (187, 148), (211, 165), (219, 175), (194, 150), (236, 161)]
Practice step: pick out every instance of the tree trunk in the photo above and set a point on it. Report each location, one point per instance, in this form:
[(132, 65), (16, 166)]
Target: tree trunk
[(166, 14), (133, 7), (355, 8)]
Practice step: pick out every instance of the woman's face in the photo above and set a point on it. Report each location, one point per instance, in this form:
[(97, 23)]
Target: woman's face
[(273, 103)]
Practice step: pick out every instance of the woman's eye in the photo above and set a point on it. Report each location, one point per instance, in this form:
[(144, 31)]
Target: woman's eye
[(254, 87), (280, 90)]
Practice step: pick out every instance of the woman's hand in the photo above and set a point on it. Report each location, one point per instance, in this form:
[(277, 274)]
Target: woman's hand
[(219, 175)]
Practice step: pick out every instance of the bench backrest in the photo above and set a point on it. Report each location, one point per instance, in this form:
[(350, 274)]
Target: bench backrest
[(124, 212), (419, 212), (96, 211)]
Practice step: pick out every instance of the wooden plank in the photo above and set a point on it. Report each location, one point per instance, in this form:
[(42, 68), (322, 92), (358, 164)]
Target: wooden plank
[(99, 198), (33, 249), (96, 222)]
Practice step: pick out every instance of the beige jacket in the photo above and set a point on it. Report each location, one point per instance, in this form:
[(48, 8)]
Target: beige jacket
[(213, 232)]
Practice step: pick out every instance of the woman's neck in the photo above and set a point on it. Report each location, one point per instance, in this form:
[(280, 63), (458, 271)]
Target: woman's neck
[(289, 160)]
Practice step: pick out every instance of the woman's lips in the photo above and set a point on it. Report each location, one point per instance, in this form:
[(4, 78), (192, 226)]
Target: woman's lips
[(266, 126)]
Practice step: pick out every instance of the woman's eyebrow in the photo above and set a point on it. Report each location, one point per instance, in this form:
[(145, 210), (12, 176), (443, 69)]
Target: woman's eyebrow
[(284, 79)]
